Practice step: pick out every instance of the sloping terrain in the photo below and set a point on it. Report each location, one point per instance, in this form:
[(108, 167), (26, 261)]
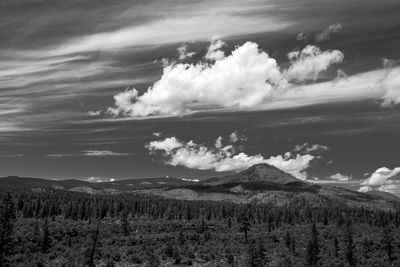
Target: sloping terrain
[(264, 183), (14, 182), (257, 173), (260, 183)]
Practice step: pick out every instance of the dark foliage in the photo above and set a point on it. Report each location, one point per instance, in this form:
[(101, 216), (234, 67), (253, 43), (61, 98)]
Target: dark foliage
[(59, 228)]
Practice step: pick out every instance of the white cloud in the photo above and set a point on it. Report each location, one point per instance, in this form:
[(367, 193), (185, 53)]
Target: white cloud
[(381, 176), (94, 113), (190, 180), (302, 36), (308, 148), (238, 80), (102, 153), (88, 153), (123, 102), (235, 137), (390, 83), (293, 164), (365, 189), (309, 62), (341, 177), (326, 34), (218, 142), (248, 79), (214, 51), (95, 179), (59, 155), (174, 27), (183, 53), (341, 75), (224, 158), (168, 144), (393, 188), (157, 134)]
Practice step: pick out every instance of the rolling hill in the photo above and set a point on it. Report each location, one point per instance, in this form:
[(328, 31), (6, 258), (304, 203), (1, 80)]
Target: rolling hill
[(15, 182), (260, 183), (257, 173)]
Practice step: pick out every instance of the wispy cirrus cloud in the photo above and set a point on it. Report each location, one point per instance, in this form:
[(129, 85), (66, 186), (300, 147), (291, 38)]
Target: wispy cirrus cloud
[(89, 153), (183, 52), (102, 153), (328, 31), (311, 148)]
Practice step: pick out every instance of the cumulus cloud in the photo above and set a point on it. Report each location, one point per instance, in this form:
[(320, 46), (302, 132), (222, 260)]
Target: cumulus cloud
[(235, 137), (245, 79), (309, 62), (393, 188), (123, 102), (381, 176), (249, 79), (302, 36), (214, 51), (365, 189), (341, 177), (222, 158), (102, 153), (326, 34), (157, 134), (94, 113), (183, 52), (218, 142)]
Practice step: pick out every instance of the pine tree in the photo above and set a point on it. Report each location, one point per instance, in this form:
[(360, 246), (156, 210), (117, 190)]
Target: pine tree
[(125, 224), (349, 253), (245, 228), (251, 255), (288, 239), (388, 243), (261, 252), (46, 237), (312, 249), (336, 247), (7, 216), (177, 256), (93, 250)]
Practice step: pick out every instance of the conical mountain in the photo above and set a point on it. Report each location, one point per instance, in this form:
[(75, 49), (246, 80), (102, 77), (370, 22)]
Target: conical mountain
[(258, 173)]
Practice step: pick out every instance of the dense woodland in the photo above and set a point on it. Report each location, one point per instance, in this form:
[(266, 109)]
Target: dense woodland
[(60, 228)]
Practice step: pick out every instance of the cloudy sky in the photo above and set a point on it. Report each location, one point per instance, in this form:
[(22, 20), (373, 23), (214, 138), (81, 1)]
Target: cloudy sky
[(195, 89)]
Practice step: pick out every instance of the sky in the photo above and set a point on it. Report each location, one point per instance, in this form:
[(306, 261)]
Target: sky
[(120, 89)]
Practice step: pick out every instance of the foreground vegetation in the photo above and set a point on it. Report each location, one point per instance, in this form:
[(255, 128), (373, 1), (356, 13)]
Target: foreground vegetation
[(58, 228)]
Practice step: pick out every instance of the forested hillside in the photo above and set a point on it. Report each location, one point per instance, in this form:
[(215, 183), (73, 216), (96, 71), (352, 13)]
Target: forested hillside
[(59, 228)]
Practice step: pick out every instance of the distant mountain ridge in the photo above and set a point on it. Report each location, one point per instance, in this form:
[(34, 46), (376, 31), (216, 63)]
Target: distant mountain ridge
[(15, 182), (261, 183)]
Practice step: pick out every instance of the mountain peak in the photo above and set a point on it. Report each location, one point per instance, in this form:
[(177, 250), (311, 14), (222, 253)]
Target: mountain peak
[(258, 173)]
